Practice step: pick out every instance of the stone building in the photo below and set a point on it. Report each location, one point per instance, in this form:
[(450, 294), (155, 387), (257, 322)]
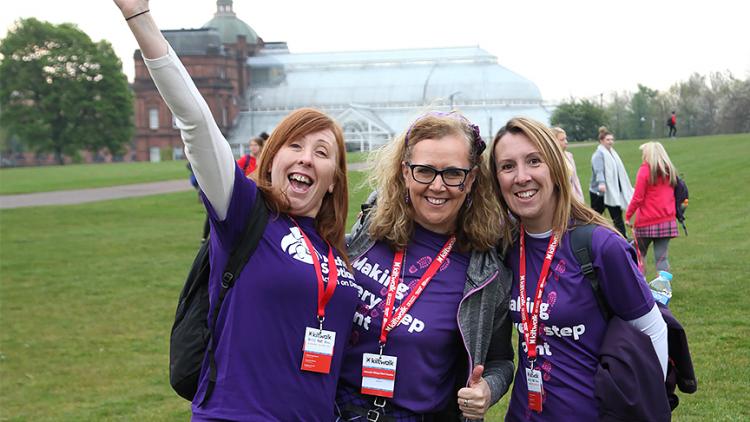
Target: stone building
[(250, 85)]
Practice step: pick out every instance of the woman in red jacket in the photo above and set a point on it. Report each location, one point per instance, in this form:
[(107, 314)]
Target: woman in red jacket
[(653, 200)]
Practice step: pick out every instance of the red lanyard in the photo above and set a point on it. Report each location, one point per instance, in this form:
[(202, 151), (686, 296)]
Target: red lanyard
[(398, 262), (324, 293), (530, 328)]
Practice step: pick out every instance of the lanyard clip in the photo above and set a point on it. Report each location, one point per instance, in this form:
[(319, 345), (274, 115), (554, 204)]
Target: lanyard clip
[(320, 322), (382, 345), (531, 363)]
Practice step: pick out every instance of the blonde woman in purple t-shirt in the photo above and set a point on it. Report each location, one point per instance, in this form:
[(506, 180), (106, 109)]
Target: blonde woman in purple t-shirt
[(281, 329), (553, 307), (430, 236)]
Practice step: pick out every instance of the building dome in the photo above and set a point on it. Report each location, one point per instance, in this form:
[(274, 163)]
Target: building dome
[(229, 26)]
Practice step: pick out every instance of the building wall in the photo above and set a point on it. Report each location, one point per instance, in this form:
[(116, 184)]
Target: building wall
[(218, 78)]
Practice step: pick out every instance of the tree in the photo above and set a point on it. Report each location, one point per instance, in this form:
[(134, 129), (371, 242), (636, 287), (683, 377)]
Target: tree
[(581, 120), (641, 113), (60, 92)]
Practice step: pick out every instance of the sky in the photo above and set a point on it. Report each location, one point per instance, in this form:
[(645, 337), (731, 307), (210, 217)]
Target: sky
[(568, 48)]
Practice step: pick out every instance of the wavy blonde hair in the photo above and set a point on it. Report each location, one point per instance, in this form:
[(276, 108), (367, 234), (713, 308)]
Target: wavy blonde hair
[(659, 164), (478, 226), (566, 207)]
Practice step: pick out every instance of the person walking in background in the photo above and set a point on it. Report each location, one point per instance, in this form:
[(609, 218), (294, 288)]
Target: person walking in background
[(249, 161), (672, 124), (653, 204), (562, 140), (435, 220), (610, 186), (553, 306), (296, 290)]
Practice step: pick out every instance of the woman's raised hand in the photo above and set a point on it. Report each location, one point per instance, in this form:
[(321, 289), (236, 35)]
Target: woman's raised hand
[(131, 7)]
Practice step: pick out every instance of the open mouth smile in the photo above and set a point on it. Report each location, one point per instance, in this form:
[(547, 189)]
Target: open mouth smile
[(299, 182), (526, 194), (435, 201)]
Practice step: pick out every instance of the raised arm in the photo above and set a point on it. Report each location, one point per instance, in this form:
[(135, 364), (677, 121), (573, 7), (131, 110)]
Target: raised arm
[(205, 146)]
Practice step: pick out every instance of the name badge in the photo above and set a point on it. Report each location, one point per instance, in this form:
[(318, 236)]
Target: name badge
[(318, 350), (535, 388), (378, 374)]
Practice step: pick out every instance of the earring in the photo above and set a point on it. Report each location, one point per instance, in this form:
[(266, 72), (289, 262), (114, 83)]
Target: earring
[(468, 202), (407, 198), (461, 187)]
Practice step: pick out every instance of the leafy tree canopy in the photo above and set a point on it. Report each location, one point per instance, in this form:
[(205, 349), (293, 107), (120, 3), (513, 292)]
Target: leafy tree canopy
[(60, 92), (580, 119)]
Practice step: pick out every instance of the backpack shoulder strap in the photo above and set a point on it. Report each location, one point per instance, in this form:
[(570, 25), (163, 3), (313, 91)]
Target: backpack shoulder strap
[(248, 241), (580, 242), (246, 245)]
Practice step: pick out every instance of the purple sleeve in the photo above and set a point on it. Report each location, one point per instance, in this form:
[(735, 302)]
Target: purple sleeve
[(621, 282), (242, 200)]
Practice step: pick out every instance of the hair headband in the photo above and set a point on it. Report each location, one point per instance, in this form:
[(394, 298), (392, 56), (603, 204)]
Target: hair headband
[(478, 144)]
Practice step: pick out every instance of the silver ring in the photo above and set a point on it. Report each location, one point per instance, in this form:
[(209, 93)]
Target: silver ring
[(466, 402)]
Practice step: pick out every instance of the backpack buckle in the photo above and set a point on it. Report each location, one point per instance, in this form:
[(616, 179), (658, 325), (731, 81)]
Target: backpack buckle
[(226, 280)]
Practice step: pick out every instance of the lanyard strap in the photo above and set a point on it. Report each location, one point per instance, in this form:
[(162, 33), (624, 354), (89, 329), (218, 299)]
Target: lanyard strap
[(389, 323), (531, 325), (325, 291)]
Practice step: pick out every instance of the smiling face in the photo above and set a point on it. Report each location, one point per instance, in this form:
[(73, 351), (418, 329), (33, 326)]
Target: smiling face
[(436, 205), (304, 170), (608, 141), (525, 181)]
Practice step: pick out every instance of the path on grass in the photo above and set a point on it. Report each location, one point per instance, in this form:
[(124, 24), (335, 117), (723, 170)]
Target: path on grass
[(80, 196)]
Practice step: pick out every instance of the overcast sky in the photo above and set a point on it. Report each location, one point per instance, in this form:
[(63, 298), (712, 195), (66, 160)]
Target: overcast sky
[(568, 48)]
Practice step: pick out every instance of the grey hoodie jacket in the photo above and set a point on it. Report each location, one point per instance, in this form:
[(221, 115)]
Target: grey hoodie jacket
[(483, 319)]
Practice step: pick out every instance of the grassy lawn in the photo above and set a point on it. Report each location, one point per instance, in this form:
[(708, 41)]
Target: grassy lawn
[(87, 293), (83, 176)]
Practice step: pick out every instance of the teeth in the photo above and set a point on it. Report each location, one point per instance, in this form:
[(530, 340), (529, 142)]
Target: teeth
[(436, 201), (526, 194), (300, 178)]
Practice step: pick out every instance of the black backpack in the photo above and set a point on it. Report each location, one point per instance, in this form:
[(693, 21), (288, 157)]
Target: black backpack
[(191, 336), (680, 372), (681, 201)]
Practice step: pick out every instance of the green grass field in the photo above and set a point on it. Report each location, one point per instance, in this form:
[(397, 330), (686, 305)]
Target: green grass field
[(82, 176), (87, 293)]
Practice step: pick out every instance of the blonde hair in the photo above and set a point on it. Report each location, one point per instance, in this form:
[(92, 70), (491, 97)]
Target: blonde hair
[(566, 207), (478, 226), (557, 131), (659, 164)]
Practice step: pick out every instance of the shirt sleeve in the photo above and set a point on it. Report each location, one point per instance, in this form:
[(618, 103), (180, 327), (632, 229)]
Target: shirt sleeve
[(205, 146), (622, 284), (597, 166), (652, 324)]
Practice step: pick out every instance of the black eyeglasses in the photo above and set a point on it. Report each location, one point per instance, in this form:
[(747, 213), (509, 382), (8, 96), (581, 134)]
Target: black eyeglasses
[(452, 176)]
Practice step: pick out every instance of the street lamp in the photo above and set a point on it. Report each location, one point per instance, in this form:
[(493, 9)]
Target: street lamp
[(253, 96), (452, 96)]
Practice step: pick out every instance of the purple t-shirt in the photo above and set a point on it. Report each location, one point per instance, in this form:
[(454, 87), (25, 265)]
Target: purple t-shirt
[(261, 326), (571, 324), (427, 342)]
